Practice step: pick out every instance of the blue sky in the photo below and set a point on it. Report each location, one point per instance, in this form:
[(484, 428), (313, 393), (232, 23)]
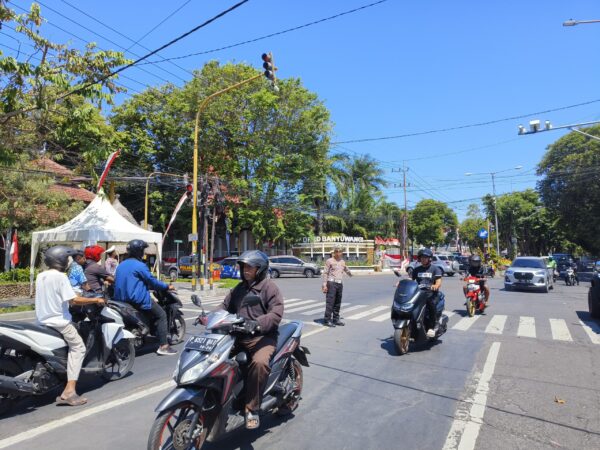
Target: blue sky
[(396, 68)]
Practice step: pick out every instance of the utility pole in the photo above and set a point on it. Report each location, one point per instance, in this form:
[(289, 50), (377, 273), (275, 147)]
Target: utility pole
[(404, 232), (496, 214)]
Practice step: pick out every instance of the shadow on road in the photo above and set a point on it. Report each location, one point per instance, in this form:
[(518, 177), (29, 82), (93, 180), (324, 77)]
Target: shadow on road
[(387, 344)]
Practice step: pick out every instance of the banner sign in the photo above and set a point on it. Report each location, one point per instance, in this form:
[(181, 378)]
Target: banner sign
[(344, 239), (386, 241)]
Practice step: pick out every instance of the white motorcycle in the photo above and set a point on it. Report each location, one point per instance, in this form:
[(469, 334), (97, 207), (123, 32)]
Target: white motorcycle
[(33, 357)]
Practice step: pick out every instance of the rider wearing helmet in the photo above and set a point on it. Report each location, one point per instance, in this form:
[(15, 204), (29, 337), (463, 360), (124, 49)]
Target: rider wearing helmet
[(133, 282), (262, 319), (476, 269), (53, 295), (429, 276)]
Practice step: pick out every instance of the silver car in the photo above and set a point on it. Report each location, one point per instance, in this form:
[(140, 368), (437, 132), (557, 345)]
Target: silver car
[(528, 272), (290, 265), (441, 261)]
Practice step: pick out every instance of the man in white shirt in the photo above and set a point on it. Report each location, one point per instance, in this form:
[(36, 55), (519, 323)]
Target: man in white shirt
[(53, 294)]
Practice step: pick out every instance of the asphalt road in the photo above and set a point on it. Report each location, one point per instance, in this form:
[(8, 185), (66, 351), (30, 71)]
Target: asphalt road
[(522, 376)]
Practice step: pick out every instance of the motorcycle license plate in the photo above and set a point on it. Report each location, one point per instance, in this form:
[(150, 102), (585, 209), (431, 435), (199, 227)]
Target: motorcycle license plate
[(201, 343)]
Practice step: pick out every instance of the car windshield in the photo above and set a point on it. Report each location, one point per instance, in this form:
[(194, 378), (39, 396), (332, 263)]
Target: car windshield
[(528, 262), (442, 257)]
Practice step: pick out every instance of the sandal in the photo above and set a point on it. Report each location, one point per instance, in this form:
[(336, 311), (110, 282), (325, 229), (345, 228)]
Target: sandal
[(73, 400), (252, 421)]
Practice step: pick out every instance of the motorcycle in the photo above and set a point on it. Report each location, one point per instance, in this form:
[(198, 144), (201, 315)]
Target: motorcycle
[(490, 271), (208, 401), (33, 357), (475, 296), (570, 276), (408, 315), (142, 326)]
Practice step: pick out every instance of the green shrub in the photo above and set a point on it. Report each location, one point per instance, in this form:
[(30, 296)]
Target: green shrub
[(16, 275)]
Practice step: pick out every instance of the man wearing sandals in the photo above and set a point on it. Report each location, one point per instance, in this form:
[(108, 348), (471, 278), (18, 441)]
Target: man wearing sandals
[(262, 320), (53, 294)]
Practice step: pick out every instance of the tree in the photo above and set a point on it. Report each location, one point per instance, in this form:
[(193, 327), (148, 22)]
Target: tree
[(431, 221), (570, 187), (470, 227)]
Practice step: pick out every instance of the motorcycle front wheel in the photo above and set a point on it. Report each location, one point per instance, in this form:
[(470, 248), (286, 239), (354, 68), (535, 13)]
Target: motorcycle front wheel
[(171, 429), (470, 307), (120, 361), (8, 368), (402, 339)]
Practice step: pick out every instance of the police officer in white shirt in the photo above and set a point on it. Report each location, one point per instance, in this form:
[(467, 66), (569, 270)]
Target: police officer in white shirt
[(53, 294)]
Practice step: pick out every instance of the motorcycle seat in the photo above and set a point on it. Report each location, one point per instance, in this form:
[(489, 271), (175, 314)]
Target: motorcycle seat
[(285, 332), (121, 305), (26, 326)]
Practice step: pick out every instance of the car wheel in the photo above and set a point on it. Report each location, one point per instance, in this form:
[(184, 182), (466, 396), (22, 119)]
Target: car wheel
[(507, 287), (409, 271), (546, 289), (173, 274), (274, 273), (309, 273)]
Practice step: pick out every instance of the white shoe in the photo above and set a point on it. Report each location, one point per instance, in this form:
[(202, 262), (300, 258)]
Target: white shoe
[(431, 333)]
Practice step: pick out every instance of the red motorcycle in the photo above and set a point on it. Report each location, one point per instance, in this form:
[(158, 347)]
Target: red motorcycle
[(475, 296)]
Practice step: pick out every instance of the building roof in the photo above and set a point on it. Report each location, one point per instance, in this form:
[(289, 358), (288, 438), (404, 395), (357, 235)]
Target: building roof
[(66, 186)]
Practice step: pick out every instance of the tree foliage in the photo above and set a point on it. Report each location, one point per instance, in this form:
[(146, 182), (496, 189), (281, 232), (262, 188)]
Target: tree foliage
[(432, 222)]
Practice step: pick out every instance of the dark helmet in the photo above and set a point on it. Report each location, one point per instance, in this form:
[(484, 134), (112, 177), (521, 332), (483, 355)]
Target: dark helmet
[(475, 260), (425, 252), (254, 258), (58, 257), (136, 247)]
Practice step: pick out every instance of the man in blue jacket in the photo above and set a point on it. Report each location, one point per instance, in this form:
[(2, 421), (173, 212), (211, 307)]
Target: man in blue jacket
[(133, 282)]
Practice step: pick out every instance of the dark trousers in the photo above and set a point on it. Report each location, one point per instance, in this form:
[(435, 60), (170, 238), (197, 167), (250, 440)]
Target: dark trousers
[(260, 349), (334, 300), (431, 313), (159, 316)]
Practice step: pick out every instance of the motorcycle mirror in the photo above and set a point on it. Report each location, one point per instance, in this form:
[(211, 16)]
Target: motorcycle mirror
[(251, 300), (396, 272), (196, 301)]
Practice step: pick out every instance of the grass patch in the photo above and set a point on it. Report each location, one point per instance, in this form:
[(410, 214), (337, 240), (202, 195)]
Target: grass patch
[(20, 308), (227, 283)]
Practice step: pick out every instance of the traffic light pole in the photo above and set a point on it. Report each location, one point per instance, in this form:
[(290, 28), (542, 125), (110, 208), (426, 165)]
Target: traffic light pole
[(202, 106)]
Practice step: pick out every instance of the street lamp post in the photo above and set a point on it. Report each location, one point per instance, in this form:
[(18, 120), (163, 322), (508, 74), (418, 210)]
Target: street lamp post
[(572, 23), (493, 175), (534, 127)]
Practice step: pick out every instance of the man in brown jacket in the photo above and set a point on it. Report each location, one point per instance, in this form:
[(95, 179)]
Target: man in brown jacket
[(335, 268), (262, 318)]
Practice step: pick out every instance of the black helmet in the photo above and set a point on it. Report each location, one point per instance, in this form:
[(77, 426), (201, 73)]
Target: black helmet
[(136, 247), (254, 258), (58, 257), (475, 260), (425, 252)]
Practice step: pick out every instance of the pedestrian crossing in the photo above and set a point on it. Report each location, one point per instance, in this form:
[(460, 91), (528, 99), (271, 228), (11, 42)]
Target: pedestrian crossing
[(526, 327)]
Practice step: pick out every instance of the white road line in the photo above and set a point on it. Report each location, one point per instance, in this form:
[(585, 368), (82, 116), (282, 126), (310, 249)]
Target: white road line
[(526, 327), (496, 325), (303, 302), (367, 312), (381, 318), (306, 305), (352, 308), (197, 310), (465, 323), (291, 300), (314, 311), (89, 411), (464, 431), (560, 331), (592, 329), (449, 313)]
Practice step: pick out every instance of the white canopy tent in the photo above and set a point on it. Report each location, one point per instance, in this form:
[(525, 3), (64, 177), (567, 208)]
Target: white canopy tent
[(98, 223)]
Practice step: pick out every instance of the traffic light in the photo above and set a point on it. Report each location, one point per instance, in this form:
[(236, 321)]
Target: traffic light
[(189, 191), (269, 66)]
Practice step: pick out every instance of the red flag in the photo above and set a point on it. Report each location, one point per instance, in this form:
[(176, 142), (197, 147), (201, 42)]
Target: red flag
[(14, 251), (109, 162)]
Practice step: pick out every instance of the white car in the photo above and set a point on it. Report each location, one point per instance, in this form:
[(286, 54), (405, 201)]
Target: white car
[(528, 272)]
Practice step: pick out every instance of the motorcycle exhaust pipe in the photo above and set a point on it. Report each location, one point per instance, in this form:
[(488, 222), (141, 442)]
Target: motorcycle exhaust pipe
[(268, 403), (10, 385)]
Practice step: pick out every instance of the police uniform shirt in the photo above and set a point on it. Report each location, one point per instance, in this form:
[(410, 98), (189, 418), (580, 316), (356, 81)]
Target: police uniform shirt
[(426, 277)]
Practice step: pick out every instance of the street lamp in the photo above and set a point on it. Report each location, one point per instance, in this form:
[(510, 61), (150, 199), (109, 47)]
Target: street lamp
[(493, 175), (572, 23)]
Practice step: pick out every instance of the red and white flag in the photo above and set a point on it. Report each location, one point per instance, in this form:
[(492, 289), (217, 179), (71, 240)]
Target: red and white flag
[(109, 162), (14, 251), (182, 200)]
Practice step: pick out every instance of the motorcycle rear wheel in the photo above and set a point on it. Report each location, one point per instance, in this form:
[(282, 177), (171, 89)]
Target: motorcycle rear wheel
[(120, 361), (177, 333), (402, 339), (8, 368), (171, 428)]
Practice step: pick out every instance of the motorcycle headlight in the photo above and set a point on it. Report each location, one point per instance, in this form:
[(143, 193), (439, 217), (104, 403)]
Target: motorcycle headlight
[(471, 287), (194, 372)]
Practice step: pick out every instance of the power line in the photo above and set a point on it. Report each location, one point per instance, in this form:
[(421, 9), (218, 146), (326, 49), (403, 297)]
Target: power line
[(115, 72), (127, 37), (471, 125), (249, 41)]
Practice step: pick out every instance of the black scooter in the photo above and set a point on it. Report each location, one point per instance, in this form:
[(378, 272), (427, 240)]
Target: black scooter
[(409, 313), (142, 325)]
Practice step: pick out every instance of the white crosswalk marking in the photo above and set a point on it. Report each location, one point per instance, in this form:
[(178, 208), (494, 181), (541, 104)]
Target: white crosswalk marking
[(449, 313), (303, 302), (526, 327), (381, 318), (560, 332), (291, 300), (312, 304), (367, 312), (496, 325), (592, 329), (465, 323), (321, 309)]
